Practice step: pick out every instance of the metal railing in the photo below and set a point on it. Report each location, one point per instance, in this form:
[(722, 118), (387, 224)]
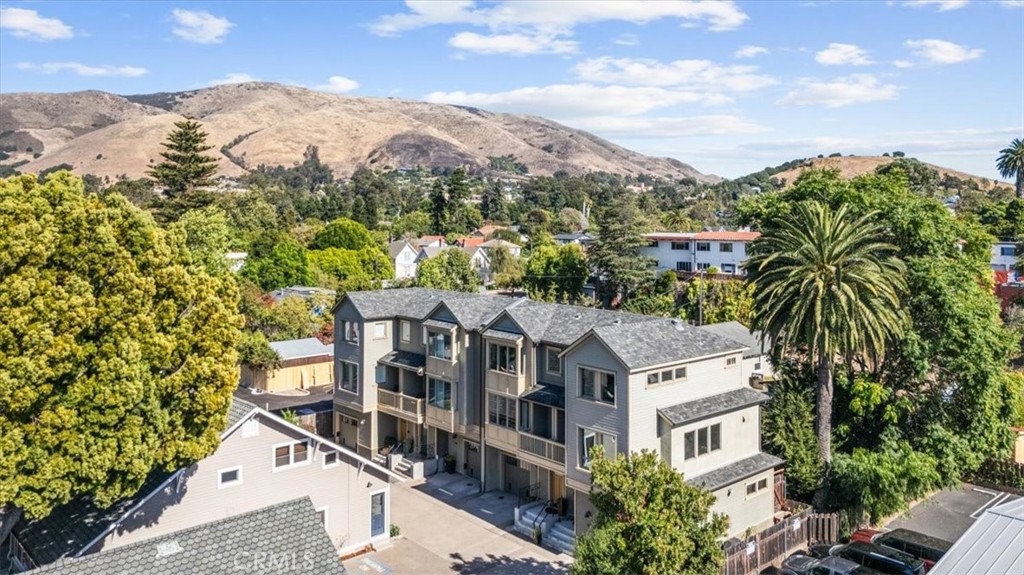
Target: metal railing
[(546, 448), (527, 494)]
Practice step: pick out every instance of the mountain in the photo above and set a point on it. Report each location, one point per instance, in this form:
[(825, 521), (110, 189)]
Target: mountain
[(264, 123), (852, 166)]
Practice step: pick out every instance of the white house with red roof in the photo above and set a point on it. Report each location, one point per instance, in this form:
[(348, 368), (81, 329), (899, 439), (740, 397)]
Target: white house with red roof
[(695, 251)]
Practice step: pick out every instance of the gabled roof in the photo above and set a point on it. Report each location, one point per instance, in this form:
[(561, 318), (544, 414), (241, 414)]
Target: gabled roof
[(740, 333), (289, 531), (396, 247), (993, 545), (491, 244), (473, 312), (430, 251), (560, 324), (71, 528), (661, 341), (413, 302), (300, 348)]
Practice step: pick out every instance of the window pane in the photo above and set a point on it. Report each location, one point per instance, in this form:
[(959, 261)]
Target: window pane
[(702, 441), (608, 388), (751, 489), (511, 412), (379, 330), (300, 451), (554, 362), (716, 437), (763, 484), (492, 356), (587, 383), (229, 476), (377, 515), (666, 375), (652, 378), (688, 442), (492, 411), (680, 373), (282, 456)]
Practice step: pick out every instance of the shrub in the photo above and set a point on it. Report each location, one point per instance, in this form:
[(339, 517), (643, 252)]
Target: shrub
[(395, 530)]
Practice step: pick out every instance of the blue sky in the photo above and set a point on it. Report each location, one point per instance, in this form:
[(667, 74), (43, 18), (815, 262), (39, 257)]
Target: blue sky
[(729, 87)]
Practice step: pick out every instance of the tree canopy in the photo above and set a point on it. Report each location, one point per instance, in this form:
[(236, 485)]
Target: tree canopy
[(451, 270), (1011, 164), (117, 350), (185, 168)]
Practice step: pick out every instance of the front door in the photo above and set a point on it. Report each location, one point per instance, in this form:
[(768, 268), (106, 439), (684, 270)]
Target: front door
[(377, 514), (472, 461), (557, 485)]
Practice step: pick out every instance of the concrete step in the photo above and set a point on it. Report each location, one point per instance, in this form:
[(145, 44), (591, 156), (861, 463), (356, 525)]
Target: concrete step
[(561, 537)]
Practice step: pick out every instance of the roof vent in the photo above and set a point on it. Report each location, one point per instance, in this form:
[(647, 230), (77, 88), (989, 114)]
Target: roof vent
[(168, 548), (577, 315), (617, 321), (678, 324)]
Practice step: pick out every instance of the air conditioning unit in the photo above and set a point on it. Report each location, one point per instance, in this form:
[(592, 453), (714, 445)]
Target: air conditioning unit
[(757, 381)]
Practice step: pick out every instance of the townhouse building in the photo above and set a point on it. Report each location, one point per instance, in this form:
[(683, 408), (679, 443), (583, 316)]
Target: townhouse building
[(697, 251), (516, 392)]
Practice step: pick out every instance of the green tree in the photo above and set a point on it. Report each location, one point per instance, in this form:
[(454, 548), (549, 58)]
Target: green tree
[(492, 202), (344, 233), (341, 265), (825, 283), (118, 351), (285, 264), (439, 213), (722, 300), (649, 521), (1011, 164), (185, 168), (411, 225), (788, 431), (254, 350), (615, 254), (450, 270), (208, 236)]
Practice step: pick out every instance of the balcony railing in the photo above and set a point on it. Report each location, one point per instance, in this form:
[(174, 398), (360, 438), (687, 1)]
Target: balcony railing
[(546, 448), (400, 405)]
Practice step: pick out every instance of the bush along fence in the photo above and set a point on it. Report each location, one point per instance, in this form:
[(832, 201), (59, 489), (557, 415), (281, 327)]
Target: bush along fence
[(770, 546), (1003, 475)]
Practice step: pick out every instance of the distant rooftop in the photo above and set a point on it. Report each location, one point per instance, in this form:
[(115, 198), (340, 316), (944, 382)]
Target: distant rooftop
[(305, 292), (300, 348), (738, 332)]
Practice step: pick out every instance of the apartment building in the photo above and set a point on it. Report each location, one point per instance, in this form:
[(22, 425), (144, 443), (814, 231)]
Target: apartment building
[(1004, 261), (696, 251), (517, 391)]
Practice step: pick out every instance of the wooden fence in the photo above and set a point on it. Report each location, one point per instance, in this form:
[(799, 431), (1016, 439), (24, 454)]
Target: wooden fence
[(773, 544), (1002, 475)]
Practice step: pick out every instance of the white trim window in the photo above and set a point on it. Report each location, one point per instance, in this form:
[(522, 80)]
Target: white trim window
[(666, 376), (331, 459), (725, 247), (730, 361), (756, 487), (321, 514), (350, 332), (380, 330), (406, 331), (597, 385), (229, 477), (680, 245), (588, 439), (439, 345), (349, 380), (501, 410), (553, 363), (702, 441), (439, 393), (502, 358), (291, 454), (703, 246)]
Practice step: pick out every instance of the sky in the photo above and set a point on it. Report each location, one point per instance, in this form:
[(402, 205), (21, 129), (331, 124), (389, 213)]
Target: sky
[(728, 87)]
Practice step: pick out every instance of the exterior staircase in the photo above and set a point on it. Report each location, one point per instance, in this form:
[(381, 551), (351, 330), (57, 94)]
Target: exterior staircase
[(558, 535), (561, 537), (404, 467)]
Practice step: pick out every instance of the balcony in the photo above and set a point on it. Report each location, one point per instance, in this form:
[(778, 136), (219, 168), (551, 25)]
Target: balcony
[(408, 408), (547, 450), (441, 418)]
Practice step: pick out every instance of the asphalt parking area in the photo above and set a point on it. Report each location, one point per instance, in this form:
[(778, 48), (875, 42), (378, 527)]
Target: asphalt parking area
[(949, 513)]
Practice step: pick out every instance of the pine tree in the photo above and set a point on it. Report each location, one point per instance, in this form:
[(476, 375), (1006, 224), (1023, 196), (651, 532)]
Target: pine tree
[(185, 168), (438, 209)]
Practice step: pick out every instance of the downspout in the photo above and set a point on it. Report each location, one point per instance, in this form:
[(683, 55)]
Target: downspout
[(481, 360)]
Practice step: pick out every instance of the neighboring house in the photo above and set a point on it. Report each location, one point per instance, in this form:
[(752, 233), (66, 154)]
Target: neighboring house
[(236, 260), (403, 256), (304, 363), (755, 358), (993, 545), (696, 251), (261, 461), (517, 391), (470, 242), (1004, 262), (484, 231), (513, 249), (247, 542), (431, 242), (481, 262), (580, 238)]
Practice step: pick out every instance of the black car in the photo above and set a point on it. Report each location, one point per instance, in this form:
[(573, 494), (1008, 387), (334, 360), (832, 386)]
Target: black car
[(928, 549), (880, 558)]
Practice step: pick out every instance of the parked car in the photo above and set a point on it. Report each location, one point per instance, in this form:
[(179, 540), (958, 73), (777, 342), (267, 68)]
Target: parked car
[(800, 564), (879, 558), (865, 535), (924, 547)]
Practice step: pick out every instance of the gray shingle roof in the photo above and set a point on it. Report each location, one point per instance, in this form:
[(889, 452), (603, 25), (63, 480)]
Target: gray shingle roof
[(738, 332), (561, 324), (238, 409), (660, 341), (734, 472), (396, 247), (288, 532), (553, 395), (688, 411), (413, 303), (474, 311), (436, 323), (298, 348), (404, 359), (503, 335)]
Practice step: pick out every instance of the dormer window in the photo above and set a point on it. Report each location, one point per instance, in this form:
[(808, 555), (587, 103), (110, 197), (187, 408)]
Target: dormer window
[(439, 345)]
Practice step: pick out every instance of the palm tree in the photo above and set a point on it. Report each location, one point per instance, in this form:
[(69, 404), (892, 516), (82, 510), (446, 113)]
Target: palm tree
[(827, 285), (1011, 164)]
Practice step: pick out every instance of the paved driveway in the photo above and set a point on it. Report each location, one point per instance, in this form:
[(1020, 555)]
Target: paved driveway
[(447, 527), (949, 513)]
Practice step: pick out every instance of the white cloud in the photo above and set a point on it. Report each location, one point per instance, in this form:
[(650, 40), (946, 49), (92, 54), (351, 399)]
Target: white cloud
[(337, 85), (903, 63), (83, 70), (200, 27), (749, 51), (233, 78), (1011, 3), (514, 44), (942, 5), (578, 100), (29, 24), (943, 52), (838, 54), (627, 40), (700, 75), (839, 92), (556, 15), (668, 127)]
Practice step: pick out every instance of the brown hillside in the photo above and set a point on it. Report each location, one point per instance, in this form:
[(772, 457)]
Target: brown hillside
[(853, 166), (272, 124)]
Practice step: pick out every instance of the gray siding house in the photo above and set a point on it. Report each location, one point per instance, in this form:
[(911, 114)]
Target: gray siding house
[(262, 460), (517, 391)]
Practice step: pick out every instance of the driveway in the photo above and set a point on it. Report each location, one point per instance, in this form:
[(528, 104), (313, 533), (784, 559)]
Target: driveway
[(949, 513), (448, 527)]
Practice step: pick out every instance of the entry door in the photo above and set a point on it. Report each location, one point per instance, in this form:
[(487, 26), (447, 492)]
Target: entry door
[(472, 459), (557, 485), (377, 514)]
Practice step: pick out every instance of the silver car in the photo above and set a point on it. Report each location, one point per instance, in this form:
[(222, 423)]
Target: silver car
[(808, 565)]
